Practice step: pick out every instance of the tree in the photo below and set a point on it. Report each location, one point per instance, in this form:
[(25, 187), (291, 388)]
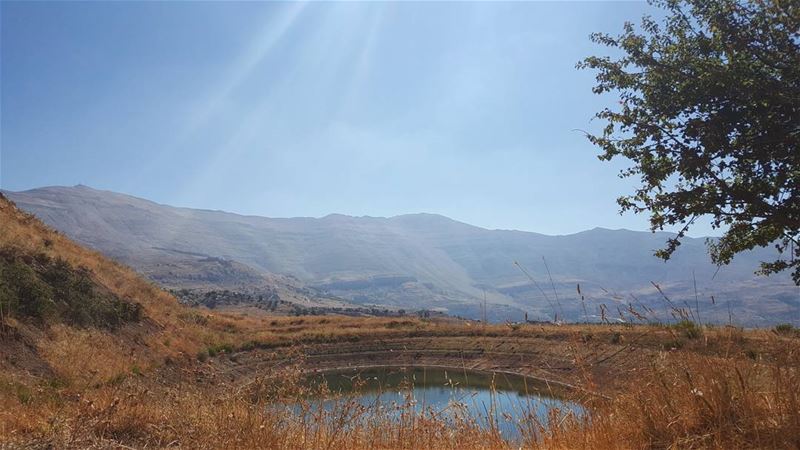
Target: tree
[(709, 117)]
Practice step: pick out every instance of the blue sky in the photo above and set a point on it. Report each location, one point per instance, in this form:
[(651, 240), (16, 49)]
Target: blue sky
[(470, 110)]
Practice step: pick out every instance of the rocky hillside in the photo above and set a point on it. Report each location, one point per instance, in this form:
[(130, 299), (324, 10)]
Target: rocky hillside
[(419, 260)]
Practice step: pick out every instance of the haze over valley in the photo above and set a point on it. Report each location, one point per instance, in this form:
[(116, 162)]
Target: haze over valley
[(416, 262)]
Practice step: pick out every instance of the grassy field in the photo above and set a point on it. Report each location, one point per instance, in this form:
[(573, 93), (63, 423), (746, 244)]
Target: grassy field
[(723, 388), (172, 376)]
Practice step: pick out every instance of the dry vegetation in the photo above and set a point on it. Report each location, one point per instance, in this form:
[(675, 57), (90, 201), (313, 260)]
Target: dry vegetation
[(190, 378), (683, 398)]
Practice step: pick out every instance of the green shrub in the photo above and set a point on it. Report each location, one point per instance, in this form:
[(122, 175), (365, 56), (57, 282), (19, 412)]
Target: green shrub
[(25, 293), (47, 289), (214, 350), (24, 394), (690, 329)]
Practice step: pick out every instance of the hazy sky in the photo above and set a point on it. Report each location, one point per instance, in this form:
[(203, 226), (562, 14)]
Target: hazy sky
[(470, 110)]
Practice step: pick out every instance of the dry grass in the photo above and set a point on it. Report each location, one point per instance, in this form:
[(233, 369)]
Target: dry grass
[(173, 379), (84, 357), (680, 399)]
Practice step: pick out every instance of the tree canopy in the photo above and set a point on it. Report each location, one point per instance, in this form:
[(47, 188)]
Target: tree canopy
[(709, 117)]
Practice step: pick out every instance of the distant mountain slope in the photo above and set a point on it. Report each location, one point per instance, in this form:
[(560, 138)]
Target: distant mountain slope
[(422, 260)]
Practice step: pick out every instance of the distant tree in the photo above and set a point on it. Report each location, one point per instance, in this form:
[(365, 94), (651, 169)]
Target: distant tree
[(709, 116)]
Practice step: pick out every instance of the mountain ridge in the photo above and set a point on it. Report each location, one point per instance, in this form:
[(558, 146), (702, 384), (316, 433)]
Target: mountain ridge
[(417, 260), (340, 215)]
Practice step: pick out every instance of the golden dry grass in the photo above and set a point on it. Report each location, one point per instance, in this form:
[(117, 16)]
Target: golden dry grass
[(710, 394), (145, 386), (85, 356)]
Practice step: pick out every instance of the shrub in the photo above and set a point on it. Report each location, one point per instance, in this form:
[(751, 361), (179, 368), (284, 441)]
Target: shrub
[(214, 350), (48, 289), (24, 394), (24, 293), (690, 329)]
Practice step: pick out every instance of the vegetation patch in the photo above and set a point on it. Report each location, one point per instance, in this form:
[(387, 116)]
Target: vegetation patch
[(401, 324), (50, 290), (689, 329)]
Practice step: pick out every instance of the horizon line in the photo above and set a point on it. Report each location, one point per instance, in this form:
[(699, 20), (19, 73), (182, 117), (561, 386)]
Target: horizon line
[(333, 214)]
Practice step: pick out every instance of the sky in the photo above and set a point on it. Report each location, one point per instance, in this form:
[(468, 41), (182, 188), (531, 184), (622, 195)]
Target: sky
[(472, 110)]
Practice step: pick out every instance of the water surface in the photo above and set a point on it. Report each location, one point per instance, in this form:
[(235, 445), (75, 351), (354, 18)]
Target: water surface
[(503, 401)]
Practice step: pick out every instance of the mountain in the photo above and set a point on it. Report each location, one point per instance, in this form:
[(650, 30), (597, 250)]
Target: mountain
[(419, 261)]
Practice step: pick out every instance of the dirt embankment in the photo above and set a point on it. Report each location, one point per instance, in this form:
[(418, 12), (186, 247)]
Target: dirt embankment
[(599, 359)]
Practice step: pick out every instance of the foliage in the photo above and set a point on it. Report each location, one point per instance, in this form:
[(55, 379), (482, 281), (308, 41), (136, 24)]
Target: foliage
[(690, 329), (709, 116), (52, 290)]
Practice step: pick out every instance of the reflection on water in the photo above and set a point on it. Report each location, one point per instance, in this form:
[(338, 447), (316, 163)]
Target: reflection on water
[(506, 402)]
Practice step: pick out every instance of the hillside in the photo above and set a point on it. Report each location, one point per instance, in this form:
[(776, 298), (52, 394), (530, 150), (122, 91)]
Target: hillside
[(416, 261), (60, 303)]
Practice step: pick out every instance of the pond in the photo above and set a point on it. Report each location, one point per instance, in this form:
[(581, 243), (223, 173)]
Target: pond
[(509, 403)]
